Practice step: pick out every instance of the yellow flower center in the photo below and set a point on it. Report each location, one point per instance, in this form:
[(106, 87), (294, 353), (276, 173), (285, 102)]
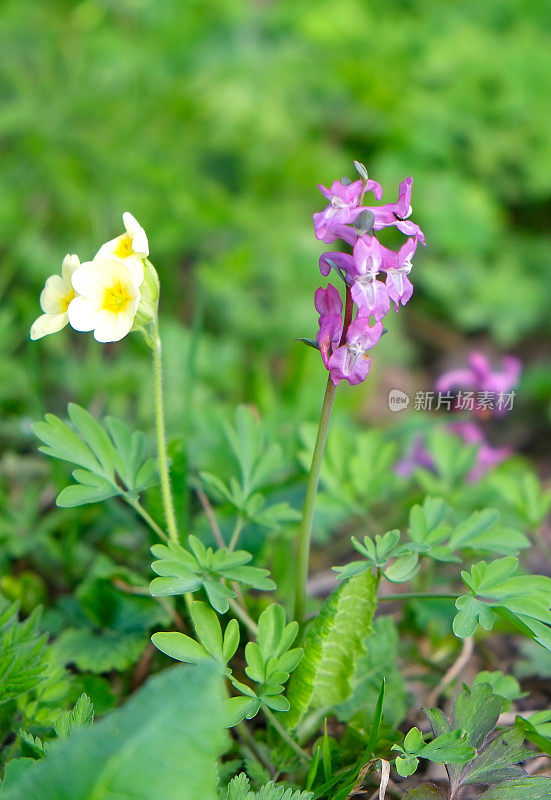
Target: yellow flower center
[(124, 247), (64, 303), (116, 299)]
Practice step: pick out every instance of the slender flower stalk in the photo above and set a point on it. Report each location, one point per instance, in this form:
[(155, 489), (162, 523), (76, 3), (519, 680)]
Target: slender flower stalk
[(285, 735), (343, 342), (310, 500), (139, 509), (417, 596), (164, 474)]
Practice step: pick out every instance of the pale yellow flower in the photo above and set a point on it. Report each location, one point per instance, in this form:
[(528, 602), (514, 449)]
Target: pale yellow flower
[(56, 296), (131, 247), (107, 298)]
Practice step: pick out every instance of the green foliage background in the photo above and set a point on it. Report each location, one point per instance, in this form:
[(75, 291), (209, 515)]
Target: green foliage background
[(213, 121)]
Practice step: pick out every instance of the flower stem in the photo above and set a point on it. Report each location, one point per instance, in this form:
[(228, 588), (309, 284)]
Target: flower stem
[(242, 614), (164, 473), (139, 509), (272, 719), (417, 596), (236, 532), (310, 500)]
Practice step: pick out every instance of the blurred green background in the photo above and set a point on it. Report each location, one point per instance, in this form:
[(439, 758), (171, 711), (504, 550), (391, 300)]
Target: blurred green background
[(213, 122)]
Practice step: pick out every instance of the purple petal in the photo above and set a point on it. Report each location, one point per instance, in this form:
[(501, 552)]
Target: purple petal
[(328, 301), (376, 188), (344, 261), (456, 379), (361, 334), (403, 206), (329, 335), (371, 298), (367, 255), (345, 365), (399, 287), (334, 232), (411, 229)]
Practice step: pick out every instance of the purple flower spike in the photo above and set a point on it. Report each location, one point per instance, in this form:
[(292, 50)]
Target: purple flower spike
[(343, 343), (351, 362), (329, 306)]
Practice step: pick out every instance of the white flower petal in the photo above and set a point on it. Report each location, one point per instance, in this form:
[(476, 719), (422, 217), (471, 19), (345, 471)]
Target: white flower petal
[(113, 327), (53, 299), (70, 264), (108, 248), (108, 298), (48, 323), (91, 278), (135, 265), (140, 244), (82, 314)]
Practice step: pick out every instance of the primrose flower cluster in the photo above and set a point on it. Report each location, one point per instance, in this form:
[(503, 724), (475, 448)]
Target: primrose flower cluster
[(343, 343), (111, 295)]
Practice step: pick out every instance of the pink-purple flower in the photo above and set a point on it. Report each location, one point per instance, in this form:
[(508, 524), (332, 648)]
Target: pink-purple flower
[(479, 375), (374, 275), (344, 204), (329, 306), (350, 362), (471, 434)]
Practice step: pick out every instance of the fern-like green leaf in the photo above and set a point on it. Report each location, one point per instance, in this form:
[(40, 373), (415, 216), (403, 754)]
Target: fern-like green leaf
[(22, 653), (332, 647)]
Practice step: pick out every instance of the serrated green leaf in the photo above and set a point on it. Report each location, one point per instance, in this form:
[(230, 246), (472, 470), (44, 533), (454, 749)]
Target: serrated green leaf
[(472, 613), (332, 647), (23, 659), (99, 652), (80, 716)]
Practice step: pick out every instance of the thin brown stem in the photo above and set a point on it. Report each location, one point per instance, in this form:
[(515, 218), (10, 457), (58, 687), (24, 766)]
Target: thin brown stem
[(210, 515), (456, 668), (242, 614)]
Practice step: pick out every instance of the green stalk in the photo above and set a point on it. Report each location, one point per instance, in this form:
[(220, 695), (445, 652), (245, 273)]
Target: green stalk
[(417, 596), (285, 735), (310, 500), (164, 474), (139, 509)]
